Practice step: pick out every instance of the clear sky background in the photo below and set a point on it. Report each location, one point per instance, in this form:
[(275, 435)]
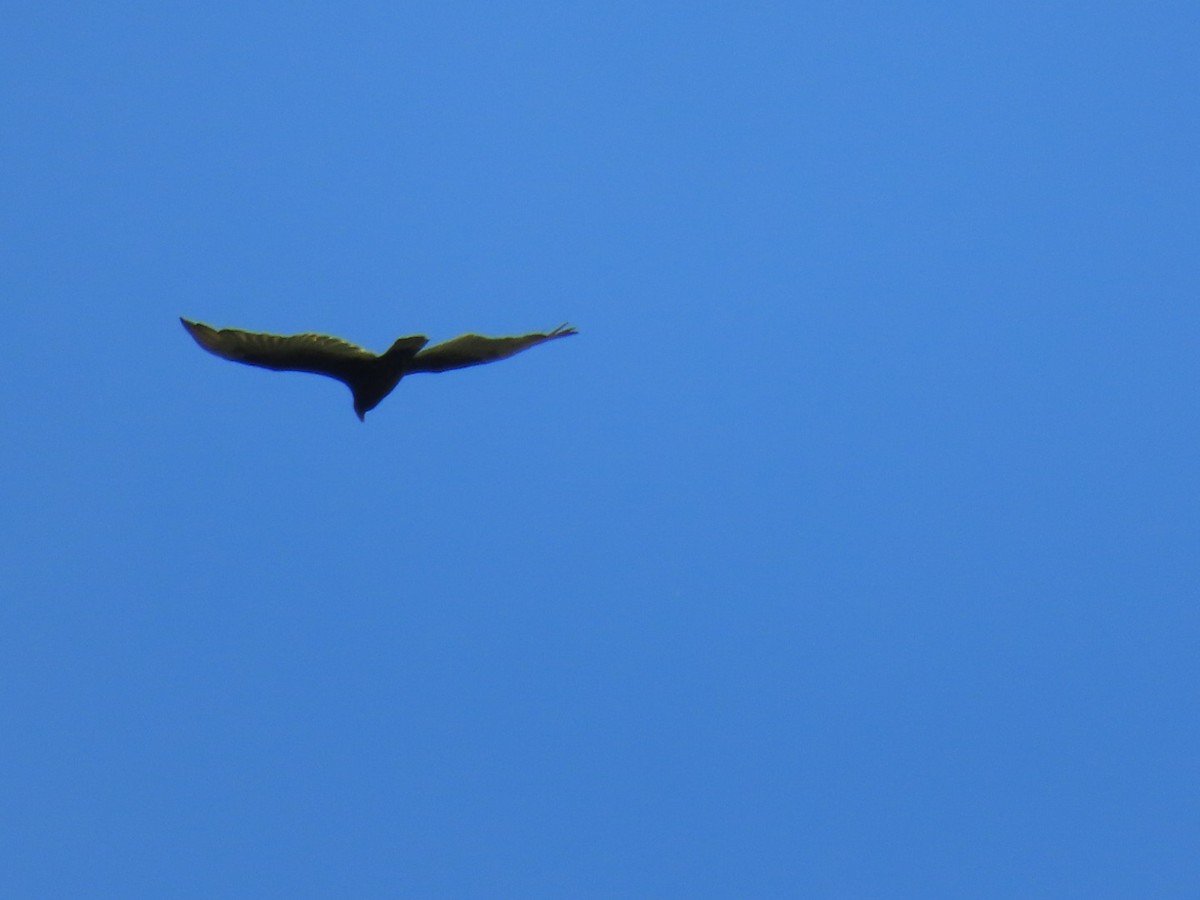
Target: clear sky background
[(850, 550)]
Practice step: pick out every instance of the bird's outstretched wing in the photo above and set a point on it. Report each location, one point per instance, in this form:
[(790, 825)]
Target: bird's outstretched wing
[(475, 349), (315, 353)]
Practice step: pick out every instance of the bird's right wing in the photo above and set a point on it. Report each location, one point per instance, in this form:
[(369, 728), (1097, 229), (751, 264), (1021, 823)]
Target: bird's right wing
[(475, 349), (315, 353)]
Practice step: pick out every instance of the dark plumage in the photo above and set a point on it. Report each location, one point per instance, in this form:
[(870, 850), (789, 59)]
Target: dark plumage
[(369, 377)]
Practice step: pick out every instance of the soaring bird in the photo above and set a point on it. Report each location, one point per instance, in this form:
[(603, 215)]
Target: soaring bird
[(369, 377)]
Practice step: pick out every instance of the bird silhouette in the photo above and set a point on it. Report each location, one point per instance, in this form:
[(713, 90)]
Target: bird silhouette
[(369, 376)]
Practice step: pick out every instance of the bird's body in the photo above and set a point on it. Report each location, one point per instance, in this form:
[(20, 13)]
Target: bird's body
[(370, 377)]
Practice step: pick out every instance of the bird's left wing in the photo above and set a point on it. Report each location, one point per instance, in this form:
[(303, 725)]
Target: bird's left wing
[(475, 349), (317, 353)]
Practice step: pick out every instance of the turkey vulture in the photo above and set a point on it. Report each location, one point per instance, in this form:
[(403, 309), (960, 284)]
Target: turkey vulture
[(369, 377)]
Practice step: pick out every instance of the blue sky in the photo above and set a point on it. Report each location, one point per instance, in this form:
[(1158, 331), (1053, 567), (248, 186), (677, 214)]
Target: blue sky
[(850, 550)]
